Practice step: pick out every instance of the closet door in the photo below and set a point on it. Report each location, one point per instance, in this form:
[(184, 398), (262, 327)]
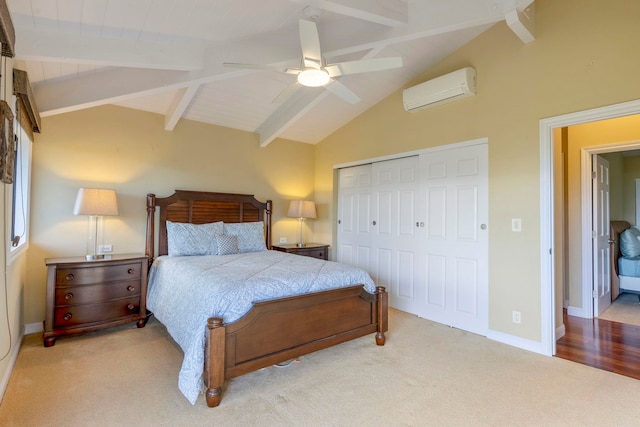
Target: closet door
[(395, 242), (354, 216), (455, 200)]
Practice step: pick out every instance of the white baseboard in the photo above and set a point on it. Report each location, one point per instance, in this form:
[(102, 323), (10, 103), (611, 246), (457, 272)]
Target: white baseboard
[(576, 311), (7, 373), (32, 328), (560, 331), (514, 341)]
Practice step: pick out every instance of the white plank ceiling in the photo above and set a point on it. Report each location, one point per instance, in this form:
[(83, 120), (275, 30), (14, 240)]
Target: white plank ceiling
[(166, 56)]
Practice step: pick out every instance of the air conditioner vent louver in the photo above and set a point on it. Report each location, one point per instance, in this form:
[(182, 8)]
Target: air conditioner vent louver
[(446, 88)]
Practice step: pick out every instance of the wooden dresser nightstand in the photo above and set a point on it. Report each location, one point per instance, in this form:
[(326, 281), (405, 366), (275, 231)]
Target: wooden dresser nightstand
[(85, 296), (314, 250)]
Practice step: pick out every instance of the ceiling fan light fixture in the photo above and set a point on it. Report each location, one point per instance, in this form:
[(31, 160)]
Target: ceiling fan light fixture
[(312, 77)]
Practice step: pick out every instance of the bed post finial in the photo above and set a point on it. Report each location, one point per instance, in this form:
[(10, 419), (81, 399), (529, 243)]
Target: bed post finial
[(151, 210), (268, 225)]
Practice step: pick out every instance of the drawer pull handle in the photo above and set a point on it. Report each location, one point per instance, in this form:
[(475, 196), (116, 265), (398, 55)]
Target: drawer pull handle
[(131, 271), (131, 288), (68, 296), (70, 276), (67, 316), (130, 307)]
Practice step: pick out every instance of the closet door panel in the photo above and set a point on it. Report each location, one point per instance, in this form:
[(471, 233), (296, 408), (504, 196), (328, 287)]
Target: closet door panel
[(354, 212), (466, 286), (395, 186), (455, 193)]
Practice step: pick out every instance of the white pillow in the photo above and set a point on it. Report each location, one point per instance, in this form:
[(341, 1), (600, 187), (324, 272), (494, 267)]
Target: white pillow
[(185, 239), (250, 235)]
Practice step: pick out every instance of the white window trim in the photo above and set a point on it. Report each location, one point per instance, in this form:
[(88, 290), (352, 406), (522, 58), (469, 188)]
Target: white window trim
[(13, 254)]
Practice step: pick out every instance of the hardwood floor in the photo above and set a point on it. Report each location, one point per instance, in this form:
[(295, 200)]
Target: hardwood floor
[(611, 346)]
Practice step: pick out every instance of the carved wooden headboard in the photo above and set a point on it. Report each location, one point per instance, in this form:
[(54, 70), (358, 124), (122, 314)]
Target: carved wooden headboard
[(200, 207), (617, 227)]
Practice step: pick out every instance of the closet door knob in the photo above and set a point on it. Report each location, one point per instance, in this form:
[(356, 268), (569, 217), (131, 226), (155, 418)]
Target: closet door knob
[(374, 223)]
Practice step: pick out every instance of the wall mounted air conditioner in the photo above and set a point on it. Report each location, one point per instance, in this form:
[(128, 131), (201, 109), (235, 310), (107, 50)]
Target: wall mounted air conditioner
[(447, 88)]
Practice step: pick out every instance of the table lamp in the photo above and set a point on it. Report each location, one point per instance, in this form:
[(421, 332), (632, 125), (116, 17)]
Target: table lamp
[(95, 202), (302, 209)]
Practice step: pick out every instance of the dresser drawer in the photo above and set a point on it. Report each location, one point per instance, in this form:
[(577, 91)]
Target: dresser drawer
[(95, 293), (313, 253), (107, 273), (89, 313)]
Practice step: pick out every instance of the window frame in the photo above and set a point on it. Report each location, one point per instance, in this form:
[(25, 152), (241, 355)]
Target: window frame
[(22, 179)]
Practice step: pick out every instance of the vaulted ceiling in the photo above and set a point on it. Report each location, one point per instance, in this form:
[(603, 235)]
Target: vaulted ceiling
[(166, 56)]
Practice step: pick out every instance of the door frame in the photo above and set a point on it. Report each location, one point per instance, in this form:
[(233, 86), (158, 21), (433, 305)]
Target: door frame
[(586, 162), (547, 265)]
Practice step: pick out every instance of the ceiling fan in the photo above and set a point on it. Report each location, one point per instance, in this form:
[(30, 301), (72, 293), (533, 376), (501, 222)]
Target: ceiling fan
[(314, 72)]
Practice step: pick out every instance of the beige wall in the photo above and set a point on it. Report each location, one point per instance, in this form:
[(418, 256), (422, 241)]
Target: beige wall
[(583, 57), (114, 147)]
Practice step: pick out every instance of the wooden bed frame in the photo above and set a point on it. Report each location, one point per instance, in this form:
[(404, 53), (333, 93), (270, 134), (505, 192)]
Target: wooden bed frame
[(273, 331)]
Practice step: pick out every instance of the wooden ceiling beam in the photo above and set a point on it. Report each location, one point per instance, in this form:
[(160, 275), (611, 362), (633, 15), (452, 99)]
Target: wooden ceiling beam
[(394, 12)]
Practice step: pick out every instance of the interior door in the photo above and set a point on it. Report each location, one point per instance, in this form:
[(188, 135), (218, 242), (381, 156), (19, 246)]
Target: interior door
[(456, 248), (354, 216), (396, 246), (601, 230)]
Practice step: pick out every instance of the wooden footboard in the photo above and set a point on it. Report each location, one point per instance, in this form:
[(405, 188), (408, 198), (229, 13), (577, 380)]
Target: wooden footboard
[(279, 330)]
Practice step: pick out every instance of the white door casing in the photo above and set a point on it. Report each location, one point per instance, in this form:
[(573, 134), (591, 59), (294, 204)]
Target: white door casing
[(601, 246)]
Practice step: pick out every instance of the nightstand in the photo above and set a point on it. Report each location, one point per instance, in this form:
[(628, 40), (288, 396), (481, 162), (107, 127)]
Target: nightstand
[(85, 296), (314, 250)]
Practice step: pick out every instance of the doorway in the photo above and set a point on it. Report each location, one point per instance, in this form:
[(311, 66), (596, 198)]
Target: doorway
[(551, 313)]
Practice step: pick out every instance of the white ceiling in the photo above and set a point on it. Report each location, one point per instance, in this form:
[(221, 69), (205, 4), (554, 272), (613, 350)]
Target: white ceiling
[(165, 56)]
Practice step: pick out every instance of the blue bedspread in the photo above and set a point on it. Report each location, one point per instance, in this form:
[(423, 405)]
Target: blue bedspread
[(184, 292)]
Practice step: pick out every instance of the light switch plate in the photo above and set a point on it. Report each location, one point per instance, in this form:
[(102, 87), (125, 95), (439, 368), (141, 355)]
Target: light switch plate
[(516, 224)]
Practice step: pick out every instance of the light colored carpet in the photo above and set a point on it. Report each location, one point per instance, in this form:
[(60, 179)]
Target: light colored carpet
[(624, 309), (427, 374)]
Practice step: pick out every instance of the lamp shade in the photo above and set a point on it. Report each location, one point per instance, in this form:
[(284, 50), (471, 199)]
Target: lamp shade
[(96, 201), (302, 209)]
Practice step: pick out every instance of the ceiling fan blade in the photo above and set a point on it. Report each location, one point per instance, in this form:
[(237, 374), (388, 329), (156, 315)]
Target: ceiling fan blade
[(363, 66), (341, 91), (287, 92), (310, 43)]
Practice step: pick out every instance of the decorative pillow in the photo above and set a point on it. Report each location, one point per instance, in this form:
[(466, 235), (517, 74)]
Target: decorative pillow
[(629, 242), (250, 235), (227, 245), (185, 239)]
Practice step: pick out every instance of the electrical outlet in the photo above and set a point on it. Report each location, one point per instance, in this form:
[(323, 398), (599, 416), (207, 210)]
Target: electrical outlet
[(283, 240), (517, 317), (105, 249)]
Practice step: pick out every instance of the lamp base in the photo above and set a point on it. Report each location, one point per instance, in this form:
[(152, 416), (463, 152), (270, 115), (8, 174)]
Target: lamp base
[(301, 245), (93, 257)]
